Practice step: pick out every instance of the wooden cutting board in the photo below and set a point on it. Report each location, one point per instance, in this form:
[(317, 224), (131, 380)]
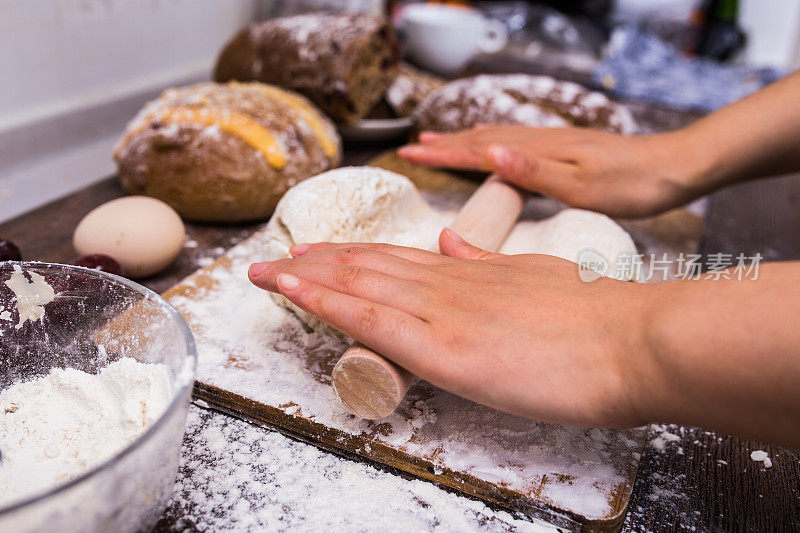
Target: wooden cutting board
[(259, 362)]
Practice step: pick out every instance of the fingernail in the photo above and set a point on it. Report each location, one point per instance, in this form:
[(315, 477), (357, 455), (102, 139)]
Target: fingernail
[(499, 155), (288, 282), (408, 150), (428, 135), (453, 235), (299, 249), (258, 268)]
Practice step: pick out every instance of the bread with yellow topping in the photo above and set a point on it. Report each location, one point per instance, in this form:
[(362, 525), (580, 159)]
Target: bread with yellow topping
[(225, 152)]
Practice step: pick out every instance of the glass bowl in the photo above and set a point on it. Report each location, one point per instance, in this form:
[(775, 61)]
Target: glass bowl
[(129, 491)]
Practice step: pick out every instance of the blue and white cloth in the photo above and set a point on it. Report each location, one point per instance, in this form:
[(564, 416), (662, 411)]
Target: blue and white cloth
[(640, 66)]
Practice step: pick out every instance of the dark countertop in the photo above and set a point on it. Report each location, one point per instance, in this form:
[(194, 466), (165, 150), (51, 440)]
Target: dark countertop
[(700, 480)]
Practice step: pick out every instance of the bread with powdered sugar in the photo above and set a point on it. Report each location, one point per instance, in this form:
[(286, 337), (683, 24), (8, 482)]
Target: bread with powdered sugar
[(520, 99), (342, 63), (409, 88)]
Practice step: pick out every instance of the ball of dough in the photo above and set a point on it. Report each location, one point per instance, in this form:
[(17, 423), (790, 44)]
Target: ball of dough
[(573, 234), (351, 204), (143, 234)]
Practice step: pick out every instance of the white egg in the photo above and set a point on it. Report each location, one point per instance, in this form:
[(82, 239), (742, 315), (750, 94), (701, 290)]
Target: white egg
[(143, 234)]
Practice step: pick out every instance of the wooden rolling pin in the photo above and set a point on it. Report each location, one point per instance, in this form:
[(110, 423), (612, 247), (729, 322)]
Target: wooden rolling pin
[(369, 385)]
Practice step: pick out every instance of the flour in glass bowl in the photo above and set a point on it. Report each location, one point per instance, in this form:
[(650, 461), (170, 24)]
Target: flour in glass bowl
[(58, 426)]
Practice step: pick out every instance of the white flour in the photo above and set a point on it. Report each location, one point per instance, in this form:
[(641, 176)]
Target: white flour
[(761, 456), (235, 476), (61, 425)]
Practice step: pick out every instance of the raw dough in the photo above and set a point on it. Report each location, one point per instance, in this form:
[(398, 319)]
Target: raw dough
[(368, 204), (569, 233), (352, 204), (30, 296)]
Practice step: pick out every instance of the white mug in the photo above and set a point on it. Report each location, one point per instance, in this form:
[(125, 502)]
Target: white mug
[(443, 38)]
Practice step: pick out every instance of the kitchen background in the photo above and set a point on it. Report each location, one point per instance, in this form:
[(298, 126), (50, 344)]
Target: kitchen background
[(74, 71)]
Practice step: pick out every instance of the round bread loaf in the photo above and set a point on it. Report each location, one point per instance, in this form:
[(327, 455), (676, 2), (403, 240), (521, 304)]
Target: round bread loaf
[(225, 152), (520, 99), (343, 63)]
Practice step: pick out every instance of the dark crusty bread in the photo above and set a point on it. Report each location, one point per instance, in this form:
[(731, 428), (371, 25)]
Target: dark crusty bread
[(409, 88), (343, 63), (520, 99), (225, 152)]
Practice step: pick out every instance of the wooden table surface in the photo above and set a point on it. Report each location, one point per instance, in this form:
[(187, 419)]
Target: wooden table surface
[(702, 481)]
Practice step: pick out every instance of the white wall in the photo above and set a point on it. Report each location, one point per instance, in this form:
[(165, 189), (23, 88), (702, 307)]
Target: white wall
[(773, 31), (772, 26), (53, 52), (74, 72)]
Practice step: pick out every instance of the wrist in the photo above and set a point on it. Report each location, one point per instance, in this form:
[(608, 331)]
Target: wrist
[(637, 367), (650, 389), (704, 158), (688, 158)]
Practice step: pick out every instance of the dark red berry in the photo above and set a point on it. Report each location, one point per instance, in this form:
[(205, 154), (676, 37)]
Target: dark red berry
[(9, 251), (99, 262)]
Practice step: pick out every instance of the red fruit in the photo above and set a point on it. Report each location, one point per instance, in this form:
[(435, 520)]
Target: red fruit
[(9, 251), (99, 262)]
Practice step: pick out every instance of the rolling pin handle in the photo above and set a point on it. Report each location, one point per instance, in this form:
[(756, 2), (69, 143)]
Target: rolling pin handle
[(369, 385)]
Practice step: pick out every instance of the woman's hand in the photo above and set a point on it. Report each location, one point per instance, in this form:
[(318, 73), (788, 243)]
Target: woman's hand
[(519, 333), (523, 334), (614, 174), (639, 176)]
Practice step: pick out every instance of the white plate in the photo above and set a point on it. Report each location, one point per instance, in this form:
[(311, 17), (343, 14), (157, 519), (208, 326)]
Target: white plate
[(377, 130)]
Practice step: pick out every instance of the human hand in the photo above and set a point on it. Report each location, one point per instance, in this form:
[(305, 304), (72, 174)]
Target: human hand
[(519, 333), (610, 173)]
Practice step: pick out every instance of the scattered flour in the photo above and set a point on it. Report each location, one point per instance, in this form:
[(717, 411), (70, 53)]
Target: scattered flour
[(235, 476), (209, 256), (61, 425), (668, 491), (762, 457), (663, 437)]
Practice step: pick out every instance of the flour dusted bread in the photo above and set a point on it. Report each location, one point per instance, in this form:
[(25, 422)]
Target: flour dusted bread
[(368, 204), (225, 152), (343, 63), (409, 88), (520, 99)]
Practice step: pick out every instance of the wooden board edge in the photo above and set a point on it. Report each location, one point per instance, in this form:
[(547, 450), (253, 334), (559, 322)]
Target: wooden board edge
[(411, 467)]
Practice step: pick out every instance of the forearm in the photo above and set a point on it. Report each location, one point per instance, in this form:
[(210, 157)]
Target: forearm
[(756, 137), (725, 354)]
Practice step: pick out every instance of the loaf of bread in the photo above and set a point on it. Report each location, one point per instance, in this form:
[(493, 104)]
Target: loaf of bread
[(343, 63), (520, 99), (225, 152), (409, 88)]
